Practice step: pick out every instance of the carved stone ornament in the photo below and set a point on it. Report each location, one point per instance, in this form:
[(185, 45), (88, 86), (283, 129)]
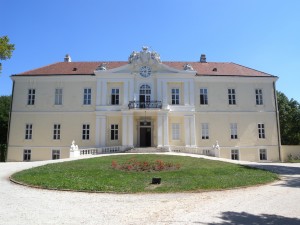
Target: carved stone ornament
[(102, 66), (73, 146), (144, 57), (188, 67), (74, 150), (216, 146)]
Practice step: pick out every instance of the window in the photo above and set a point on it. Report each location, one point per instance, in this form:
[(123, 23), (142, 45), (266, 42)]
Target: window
[(259, 96), (115, 96), (114, 131), (206, 152), (261, 130), (262, 154), (203, 96), (231, 97), (233, 131), (58, 96), (175, 131), (175, 96), (235, 154), (56, 132), (26, 155), (28, 132), (87, 96), (205, 131), (85, 132), (55, 154), (31, 97)]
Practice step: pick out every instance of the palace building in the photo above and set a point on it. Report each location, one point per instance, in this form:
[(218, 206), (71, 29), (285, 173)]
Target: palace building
[(221, 109)]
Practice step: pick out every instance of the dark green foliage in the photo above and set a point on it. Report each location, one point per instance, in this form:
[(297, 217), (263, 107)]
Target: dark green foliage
[(289, 119), (4, 119), (97, 174)]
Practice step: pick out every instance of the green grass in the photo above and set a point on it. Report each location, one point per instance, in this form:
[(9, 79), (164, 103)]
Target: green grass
[(96, 174), (294, 161)]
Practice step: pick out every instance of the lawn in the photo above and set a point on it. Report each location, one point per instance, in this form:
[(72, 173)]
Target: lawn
[(98, 174)]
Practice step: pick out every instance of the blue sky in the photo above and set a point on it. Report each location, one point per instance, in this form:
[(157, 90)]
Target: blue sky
[(264, 35)]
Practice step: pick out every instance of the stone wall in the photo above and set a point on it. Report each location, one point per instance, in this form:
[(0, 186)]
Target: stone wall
[(289, 149)]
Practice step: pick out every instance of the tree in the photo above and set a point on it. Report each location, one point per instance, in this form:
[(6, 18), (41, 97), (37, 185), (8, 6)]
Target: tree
[(4, 120), (6, 49), (289, 120)]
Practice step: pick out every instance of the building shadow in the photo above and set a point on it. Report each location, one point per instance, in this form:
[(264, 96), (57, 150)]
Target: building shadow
[(289, 182), (241, 218), (281, 170), (290, 175)]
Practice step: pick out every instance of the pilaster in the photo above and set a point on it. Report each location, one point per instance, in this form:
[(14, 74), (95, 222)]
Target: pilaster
[(102, 130), (127, 128), (104, 93), (159, 130), (165, 93), (192, 93), (125, 99), (186, 92), (124, 129), (98, 92), (189, 126), (166, 129)]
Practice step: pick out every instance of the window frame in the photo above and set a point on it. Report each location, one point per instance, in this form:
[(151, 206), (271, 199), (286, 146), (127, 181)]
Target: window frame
[(87, 96), (55, 154), (56, 131), (31, 96), (114, 132), (261, 130), (263, 155), (28, 131), (259, 96), (204, 131), (58, 98), (175, 96), (233, 131), (85, 131), (231, 96), (235, 154), (26, 155), (115, 97), (203, 96), (175, 131)]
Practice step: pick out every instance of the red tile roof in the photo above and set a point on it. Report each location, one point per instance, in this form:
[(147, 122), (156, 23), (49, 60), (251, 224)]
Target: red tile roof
[(219, 69), (202, 69)]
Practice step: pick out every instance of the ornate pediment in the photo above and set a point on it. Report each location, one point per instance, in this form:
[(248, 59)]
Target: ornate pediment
[(144, 57), (143, 64)]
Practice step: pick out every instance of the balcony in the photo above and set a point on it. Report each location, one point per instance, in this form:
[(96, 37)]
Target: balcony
[(145, 105)]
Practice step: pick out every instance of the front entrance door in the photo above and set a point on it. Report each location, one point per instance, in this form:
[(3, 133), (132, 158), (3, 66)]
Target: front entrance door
[(145, 136), (145, 133)]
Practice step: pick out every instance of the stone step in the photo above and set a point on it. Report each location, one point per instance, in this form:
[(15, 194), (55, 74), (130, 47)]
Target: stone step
[(146, 150)]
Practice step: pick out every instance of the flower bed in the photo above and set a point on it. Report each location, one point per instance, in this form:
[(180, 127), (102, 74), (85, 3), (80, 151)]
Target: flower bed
[(147, 166)]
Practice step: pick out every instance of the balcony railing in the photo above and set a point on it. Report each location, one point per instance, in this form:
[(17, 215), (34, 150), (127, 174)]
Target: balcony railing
[(145, 105)]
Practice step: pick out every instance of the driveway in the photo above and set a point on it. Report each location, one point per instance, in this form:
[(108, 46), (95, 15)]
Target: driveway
[(275, 203)]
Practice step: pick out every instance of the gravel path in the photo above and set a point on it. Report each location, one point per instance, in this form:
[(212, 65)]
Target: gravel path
[(276, 203)]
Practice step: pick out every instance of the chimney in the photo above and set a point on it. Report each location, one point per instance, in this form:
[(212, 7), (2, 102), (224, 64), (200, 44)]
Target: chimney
[(203, 58), (67, 58)]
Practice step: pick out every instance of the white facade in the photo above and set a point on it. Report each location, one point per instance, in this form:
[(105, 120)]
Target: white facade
[(144, 102)]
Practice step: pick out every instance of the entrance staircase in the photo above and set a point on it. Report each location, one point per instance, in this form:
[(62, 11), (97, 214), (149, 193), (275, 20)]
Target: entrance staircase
[(146, 150)]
